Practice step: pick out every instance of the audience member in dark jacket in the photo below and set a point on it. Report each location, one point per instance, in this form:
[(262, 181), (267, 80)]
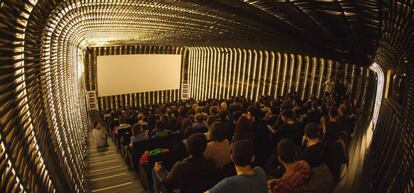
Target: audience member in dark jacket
[(314, 153), (262, 140), (290, 128), (194, 174)]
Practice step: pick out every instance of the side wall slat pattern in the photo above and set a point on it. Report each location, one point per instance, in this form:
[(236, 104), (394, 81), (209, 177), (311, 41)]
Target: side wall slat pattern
[(224, 72)]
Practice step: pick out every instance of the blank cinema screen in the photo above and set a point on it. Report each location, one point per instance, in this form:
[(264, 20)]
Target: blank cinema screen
[(123, 74)]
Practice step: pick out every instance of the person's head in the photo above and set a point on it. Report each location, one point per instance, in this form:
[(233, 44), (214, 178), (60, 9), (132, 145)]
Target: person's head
[(196, 144), (199, 109), (286, 151), (242, 153), (210, 121), (141, 116), (218, 131), (136, 129), (97, 125), (198, 118), (253, 113), (312, 132), (186, 122), (242, 125), (214, 110), (223, 106), (287, 115)]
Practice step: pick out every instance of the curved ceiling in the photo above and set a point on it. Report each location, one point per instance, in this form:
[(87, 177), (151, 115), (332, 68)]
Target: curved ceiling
[(342, 29)]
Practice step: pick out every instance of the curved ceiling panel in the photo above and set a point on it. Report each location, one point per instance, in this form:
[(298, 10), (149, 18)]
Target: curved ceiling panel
[(326, 28)]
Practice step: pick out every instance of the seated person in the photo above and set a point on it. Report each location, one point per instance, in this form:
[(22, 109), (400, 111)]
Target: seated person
[(248, 179), (290, 128), (122, 125), (297, 172), (194, 174), (209, 123), (160, 129), (199, 126), (218, 148), (137, 134), (141, 119), (314, 115), (314, 153)]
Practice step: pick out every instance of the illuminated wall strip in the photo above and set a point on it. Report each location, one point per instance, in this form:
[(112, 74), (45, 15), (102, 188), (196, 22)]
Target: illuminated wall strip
[(206, 72), (220, 68), (352, 79), (212, 59), (203, 73), (312, 83), (248, 70), (298, 74), (238, 58), (209, 74), (346, 71), (307, 63), (225, 73), (243, 74), (258, 82), (292, 67), (190, 71), (198, 72), (285, 66), (266, 64), (272, 68), (321, 72), (254, 81), (234, 63), (193, 72), (279, 63)]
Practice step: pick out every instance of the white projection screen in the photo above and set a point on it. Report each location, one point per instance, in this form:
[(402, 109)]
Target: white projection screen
[(124, 74)]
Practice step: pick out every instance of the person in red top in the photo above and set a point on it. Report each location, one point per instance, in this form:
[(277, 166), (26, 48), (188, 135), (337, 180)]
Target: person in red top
[(297, 172)]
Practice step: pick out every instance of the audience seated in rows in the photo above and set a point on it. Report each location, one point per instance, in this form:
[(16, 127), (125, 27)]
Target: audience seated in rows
[(319, 130)]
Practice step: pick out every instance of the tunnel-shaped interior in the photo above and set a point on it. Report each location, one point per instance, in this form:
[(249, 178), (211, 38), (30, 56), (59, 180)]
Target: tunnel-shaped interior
[(49, 49)]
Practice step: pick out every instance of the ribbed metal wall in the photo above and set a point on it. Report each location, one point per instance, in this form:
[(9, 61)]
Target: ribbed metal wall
[(43, 121), (216, 72), (393, 139), (133, 99)]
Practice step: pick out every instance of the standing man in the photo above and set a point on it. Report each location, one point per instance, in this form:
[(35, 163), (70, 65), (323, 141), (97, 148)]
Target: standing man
[(329, 86)]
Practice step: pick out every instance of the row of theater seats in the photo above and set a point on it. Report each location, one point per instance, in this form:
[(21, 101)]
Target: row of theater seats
[(132, 152)]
